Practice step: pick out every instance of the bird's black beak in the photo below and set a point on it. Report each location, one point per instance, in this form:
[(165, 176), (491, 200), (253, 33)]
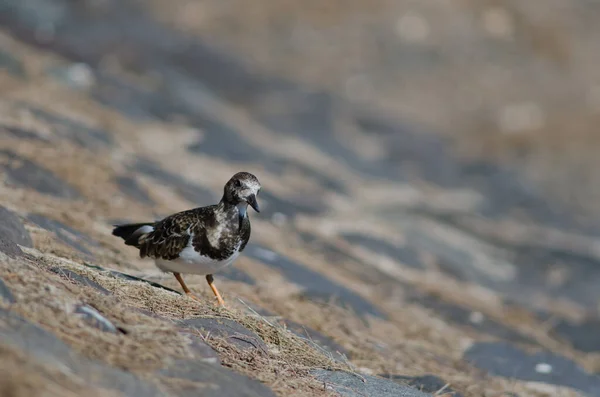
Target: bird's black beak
[(253, 203)]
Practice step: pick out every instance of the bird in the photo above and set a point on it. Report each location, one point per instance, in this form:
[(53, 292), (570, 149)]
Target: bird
[(202, 240)]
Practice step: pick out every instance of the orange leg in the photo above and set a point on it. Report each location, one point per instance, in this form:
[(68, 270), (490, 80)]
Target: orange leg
[(210, 280), (185, 288)]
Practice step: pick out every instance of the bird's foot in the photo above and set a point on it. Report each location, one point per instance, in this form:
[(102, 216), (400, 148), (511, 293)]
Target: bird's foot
[(220, 301), (192, 296)]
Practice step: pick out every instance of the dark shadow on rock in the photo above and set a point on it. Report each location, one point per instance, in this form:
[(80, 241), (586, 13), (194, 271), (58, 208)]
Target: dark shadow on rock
[(212, 381), (78, 278), (19, 333), (22, 133), (508, 191), (465, 317), (583, 336), (95, 319), (309, 115), (223, 141), (347, 262), (506, 360), (535, 264), (453, 260), (426, 383), (188, 190), (355, 385), (24, 173), (12, 232), (220, 140), (315, 285), (72, 130), (409, 148), (129, 277), (5, 293), (132, 189), (234, 332), (405, 255), (234, 274), (8, 246), (68, 235)]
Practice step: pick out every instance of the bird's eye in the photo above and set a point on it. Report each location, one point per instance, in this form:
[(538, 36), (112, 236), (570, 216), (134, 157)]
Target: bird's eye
[(238, 183)]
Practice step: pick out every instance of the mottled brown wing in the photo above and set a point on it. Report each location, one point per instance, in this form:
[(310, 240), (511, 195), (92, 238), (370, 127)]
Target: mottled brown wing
[(169, 237)]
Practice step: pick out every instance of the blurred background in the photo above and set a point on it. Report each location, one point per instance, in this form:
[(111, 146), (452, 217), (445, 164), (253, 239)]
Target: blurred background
[(510, 81)]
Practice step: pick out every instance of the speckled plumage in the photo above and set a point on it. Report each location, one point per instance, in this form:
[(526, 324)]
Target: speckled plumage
[(211, 237), (202, 240)]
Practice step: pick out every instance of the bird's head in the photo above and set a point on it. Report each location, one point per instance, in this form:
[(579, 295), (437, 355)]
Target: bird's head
[(242, 189)]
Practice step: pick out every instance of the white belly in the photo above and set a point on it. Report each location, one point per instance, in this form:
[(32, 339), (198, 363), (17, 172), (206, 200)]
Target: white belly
[(191, 262)]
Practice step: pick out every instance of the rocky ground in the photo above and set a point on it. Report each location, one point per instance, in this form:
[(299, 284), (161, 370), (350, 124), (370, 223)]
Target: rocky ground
[(383, 263)]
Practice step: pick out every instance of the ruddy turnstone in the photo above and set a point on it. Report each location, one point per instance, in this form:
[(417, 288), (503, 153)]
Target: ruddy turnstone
[(202, 240)]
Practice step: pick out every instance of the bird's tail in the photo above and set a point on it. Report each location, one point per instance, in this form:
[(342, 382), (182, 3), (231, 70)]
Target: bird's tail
[(132, 232)]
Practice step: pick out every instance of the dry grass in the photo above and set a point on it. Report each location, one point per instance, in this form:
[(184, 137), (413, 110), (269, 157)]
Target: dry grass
[(149, 343)]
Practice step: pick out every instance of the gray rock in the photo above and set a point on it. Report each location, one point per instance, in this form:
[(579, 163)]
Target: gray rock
[(406, 255), (233, 331), (213, 381), (503, 359), (201, 350), (12, 233), (465, 317), (22, 172), (315, 285), (131, 188), (49, 350), (95, 319), (71, 275), (234, 274), (22, 133), (74, 131), (346, 261), (583, 335), (350, 385), (8, 246), (188, 190), (68, 235), (10, 222), (216, 142), (5, 293)]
